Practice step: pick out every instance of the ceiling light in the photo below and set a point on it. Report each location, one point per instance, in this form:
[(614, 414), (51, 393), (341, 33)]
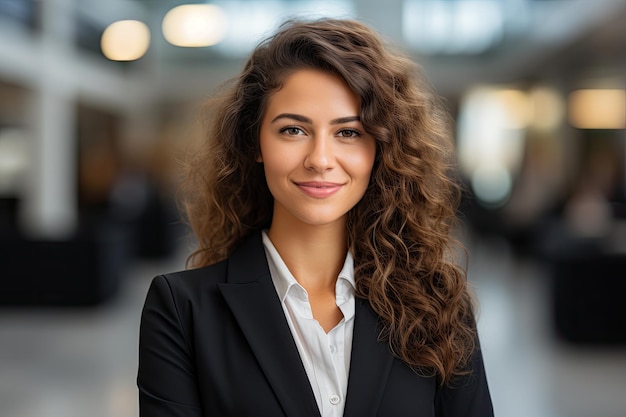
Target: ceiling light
[(125, 40), (194, 25), (598, 109)]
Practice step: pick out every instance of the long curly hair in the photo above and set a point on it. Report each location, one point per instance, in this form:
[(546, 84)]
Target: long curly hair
[(399, 233)]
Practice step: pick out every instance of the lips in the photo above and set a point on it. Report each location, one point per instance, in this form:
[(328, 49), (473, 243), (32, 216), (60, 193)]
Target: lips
[(319, 189)]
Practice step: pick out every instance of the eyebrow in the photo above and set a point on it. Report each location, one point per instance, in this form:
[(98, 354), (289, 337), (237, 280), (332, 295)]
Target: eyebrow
[(307, 120)]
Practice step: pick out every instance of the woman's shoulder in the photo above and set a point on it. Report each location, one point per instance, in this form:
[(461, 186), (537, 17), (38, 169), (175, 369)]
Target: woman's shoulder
[(191, 282), (245, 263)]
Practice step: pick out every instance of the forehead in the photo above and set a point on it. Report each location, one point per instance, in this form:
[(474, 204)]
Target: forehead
[(312, 90)]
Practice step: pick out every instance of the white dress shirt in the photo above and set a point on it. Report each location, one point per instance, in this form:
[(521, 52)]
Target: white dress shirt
[(325, 356)]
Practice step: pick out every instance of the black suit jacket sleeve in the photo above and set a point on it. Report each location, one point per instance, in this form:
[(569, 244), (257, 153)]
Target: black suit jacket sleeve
[(166, 378), (467, 396)]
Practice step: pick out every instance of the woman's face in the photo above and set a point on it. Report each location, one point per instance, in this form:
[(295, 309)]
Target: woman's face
[(317, 156)]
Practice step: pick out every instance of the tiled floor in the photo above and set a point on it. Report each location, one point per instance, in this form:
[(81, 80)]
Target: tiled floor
[(82, 362)]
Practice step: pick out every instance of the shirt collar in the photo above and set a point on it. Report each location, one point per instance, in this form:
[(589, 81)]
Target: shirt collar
[(283, 279)]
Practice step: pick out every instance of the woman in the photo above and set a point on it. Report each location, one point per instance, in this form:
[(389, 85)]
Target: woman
[(324, 283)]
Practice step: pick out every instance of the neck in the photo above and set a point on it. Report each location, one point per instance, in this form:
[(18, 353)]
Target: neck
[(313, 254)]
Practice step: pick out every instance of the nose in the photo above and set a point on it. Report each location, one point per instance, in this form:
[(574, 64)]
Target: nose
[(320, 156)]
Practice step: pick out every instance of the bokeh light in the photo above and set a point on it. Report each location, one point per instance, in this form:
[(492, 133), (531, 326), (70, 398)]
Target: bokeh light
[(194, 25), (598, 109), (125, 40)]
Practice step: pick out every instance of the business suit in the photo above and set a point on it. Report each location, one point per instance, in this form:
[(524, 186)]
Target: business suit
[(215, 342)]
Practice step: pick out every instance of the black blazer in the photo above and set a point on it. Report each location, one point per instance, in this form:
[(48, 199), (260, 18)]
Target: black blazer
[(215, 342)]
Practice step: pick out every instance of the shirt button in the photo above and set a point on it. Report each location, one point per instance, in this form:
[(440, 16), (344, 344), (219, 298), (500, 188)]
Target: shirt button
[(333, 349), (334, 399)]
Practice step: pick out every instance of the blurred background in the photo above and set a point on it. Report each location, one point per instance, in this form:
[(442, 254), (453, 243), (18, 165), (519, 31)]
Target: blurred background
[(100, 100)]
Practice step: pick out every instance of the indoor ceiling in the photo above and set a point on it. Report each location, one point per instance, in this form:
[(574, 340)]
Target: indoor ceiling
[(520, 38)]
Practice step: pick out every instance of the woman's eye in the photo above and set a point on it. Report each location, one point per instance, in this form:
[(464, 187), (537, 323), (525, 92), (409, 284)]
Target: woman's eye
[(349, 133), (291, 130)]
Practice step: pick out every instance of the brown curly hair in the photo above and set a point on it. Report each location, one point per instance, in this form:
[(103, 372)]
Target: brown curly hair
[(399, 233)]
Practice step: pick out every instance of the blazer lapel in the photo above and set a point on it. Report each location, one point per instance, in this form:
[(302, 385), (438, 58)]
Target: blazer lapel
[(251, 296), (369, 365)]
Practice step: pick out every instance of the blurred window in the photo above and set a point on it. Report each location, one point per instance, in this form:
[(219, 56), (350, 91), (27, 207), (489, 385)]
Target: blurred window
[(23, 12)]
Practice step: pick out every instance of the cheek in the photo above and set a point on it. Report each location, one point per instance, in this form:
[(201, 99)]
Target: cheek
[(362, 163), (270, 151), (277, 167), (276, 162)]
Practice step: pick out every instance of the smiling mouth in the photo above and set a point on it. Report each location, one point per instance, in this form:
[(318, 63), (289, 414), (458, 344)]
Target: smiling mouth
[(317, 189)]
